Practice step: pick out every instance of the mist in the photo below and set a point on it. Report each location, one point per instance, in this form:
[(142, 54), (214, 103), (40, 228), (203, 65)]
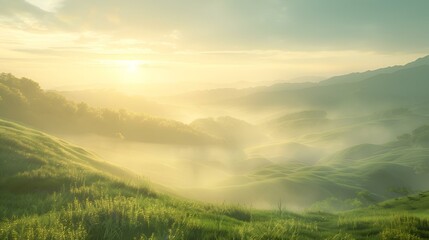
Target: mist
[(293, 143), (265, 157), (170, 165)]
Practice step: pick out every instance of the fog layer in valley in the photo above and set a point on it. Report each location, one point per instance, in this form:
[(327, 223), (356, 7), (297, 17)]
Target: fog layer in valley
[(342, 143), (283, 159)]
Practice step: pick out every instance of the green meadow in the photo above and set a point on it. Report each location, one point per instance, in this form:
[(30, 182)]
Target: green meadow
[(50, 189)]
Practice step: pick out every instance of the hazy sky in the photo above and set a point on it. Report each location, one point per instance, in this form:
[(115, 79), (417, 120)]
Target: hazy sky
[(172, 45)]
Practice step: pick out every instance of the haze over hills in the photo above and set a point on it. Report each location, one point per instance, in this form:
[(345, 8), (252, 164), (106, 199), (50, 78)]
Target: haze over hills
[(346, 116), (351, 94), (325, 118), (356, 77), (403, 88), (235, 132), (391, 87), (319, 129), (118, 100), (24, 101), (50, 189), (362, 174), (342, 146)]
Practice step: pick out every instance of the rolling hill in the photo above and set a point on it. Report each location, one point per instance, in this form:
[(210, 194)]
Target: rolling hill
[(375, 90), (356, 77), (234, 131), (50, 189), (403, 88), (23, 100), (117, 100), (365, 174)]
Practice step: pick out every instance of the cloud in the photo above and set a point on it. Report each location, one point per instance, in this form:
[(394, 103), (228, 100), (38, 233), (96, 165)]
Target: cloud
[(238, 24), (46, 5), (385, 25), (11, 8), (211, 41), (22, 15)]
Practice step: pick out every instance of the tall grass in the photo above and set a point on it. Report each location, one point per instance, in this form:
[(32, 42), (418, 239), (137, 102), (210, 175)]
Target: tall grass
[(52, 190)]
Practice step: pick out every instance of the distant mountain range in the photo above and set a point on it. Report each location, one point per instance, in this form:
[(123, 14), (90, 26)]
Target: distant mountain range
[(396, 86), (356, 77), (404, 86)]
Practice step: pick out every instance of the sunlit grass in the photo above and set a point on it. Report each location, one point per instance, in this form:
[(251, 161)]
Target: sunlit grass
[(50, 189)]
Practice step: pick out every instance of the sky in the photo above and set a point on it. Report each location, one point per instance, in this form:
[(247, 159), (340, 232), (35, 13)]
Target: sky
[(167, 46)]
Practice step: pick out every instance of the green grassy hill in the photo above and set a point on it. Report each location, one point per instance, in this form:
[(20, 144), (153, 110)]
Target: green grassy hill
[(356, 176), (50, 189), (400, 218), (417, 204), (336, 132), (22, 100)]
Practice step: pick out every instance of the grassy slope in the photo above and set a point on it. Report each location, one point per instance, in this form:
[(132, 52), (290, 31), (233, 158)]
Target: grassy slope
[(366, 173), (400, 218), (50, 189), (314, 127)]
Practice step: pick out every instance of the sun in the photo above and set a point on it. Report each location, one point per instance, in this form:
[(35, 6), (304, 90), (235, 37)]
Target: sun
[(131, 65)]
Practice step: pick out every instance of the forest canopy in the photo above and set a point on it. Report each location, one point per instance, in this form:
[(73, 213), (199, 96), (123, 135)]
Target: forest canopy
[(23, 100)]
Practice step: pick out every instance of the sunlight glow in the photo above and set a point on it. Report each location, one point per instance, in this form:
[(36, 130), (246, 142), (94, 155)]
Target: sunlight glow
[(131, 66)]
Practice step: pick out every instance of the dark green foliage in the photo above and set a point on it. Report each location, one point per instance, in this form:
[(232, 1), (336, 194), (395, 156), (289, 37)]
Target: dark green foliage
[(421, 136), (23, 100)]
